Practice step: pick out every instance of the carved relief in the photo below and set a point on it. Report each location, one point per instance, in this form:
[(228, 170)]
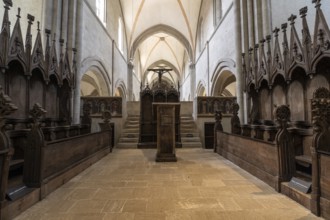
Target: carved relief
[(284, 143), (6, 152), (98, 105), (235, 121), (217, 127), (207, 106)]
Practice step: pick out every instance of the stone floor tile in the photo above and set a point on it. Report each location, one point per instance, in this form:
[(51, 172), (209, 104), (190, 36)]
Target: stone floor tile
[(128, 184)]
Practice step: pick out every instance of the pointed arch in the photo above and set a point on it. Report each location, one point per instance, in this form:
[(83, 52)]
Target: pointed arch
[(162, 28), (120, 87), (97, 75)]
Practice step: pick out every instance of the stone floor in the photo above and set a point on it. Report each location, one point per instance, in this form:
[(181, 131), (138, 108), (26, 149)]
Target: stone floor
[(128, 184)]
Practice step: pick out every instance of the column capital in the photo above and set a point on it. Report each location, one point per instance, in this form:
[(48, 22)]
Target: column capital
[(192, 65), (130, 64)]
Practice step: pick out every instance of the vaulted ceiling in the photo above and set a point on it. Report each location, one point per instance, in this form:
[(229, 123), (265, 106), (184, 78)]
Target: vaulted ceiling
[(162, 32)]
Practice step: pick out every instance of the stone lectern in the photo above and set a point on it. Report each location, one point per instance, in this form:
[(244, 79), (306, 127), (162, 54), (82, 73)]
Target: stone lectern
[(165, 131)]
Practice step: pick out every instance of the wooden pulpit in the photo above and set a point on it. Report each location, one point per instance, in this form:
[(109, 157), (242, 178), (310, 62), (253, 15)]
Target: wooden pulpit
[(166, 131)]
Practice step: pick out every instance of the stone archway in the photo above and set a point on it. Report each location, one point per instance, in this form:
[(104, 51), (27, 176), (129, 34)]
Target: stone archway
[(95, 80)]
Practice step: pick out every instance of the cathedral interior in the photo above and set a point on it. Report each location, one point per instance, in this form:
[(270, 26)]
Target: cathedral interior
[(154, 109)]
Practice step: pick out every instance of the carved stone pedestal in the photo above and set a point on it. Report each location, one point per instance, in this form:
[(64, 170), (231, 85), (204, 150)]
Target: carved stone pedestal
[(165, 131)]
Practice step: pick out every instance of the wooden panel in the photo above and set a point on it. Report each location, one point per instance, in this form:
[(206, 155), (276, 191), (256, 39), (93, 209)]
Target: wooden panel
[(36, 89), (165, 132), (52, 99), (265, 101), (296, 101), (257, 157), (325, 185), (278, 95), (59, 155), (18, 90)]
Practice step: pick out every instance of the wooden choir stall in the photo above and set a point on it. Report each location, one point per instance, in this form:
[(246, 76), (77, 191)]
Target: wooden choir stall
[(40, 148), (148, 115), (287, 140)]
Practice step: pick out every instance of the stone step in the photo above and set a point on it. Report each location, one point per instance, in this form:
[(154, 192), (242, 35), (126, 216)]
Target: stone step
[(132, 123), (188, 130), (190, 139), (128, 140), (131, 130), (127, 145), (190, 134), (188, 126), (132, 126), (192, 145), (130, 135)]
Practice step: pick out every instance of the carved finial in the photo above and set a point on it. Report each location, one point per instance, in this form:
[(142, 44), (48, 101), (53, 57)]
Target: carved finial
[(30, 18), (292, 18), (37, 112), (54, 37), (106, 116), (8, 3), (303, 12), (284, 26), (218, 116), (48, 32), (18, 13), (321, 93), (250, 50), (235, 108), (6, 105), (282, 113), (317, 3), (268, 38), (262, 41), (275, 31), (38, 26), (256, 46)]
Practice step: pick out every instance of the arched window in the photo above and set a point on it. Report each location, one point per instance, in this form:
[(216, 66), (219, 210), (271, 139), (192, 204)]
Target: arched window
[(101, 10), (120, 35), (217, 11)]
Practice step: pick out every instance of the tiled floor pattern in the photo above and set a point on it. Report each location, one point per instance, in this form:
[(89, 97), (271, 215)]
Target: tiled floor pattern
[(128, 184)]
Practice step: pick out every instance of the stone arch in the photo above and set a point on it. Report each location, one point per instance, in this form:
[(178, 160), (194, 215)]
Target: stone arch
[(94, 73), (201, 88), (164, 29), (222, 77), (120, 89)]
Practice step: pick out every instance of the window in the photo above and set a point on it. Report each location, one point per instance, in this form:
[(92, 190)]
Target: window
[(120, 35), (217, 11), (101, 10)]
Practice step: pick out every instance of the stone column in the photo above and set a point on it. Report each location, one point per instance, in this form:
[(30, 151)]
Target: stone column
[(47, 15), (64, 20), (130, 67), (239, 72), (71, 30), (78, 43), (245, 21), (266, 14), (251, 23), (192, 70), (260, 20)]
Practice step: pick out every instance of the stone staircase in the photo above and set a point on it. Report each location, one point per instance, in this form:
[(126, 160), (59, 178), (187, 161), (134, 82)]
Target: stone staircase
[(130, 134), (189, 133)]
